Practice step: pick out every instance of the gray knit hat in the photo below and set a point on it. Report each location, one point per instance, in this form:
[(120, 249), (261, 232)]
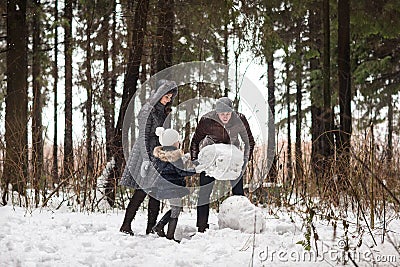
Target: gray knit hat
[(224, 104)]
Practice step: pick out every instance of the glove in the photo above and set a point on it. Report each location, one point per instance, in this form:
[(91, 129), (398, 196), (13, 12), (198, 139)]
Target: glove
[(195, 162), (144, 168), (185, 158)]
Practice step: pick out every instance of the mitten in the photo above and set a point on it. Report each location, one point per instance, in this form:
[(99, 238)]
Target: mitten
[(144, 168)]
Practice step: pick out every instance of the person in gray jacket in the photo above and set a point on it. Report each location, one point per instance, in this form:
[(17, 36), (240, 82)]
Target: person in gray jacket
[(139, 172)]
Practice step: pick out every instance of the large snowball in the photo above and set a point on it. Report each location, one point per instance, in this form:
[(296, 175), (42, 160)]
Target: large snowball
[(238, 213), (221, 161)]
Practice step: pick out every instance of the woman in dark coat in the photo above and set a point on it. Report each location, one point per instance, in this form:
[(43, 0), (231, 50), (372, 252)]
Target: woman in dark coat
[(139, 173)]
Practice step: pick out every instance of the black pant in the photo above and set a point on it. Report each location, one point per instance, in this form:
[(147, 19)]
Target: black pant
[(206, 187), (152, 211)]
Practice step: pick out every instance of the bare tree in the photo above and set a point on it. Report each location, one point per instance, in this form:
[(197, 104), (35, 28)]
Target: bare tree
[(273, 173), (106, 95), (68, 145), (89, 89), (54, 171)]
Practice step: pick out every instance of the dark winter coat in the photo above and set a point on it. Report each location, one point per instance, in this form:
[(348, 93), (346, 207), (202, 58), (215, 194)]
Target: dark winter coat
[(151, 116), (168, 162), (211, 130)]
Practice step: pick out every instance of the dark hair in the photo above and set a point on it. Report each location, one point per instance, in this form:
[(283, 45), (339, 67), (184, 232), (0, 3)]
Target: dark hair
[(173, 91), (168, 108)]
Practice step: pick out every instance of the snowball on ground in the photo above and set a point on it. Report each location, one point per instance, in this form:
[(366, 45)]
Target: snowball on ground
[(221, 161), (238, 213)]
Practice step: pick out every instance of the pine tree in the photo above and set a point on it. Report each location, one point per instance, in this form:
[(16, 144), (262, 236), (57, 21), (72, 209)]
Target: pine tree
[(16, 118), (344, 77)]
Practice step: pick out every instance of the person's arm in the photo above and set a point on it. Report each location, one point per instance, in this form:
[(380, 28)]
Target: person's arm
[(199, 134), (176, 168), (188, 172), (247, 138), (147, 119)]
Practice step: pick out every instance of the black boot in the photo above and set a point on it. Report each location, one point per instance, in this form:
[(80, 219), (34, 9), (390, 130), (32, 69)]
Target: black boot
[(131, 210), (202, 218), (152, 213), (159, 227), (202, 228), (171, 229)]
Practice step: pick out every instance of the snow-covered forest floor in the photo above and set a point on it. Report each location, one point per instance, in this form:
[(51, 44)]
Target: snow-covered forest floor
[(46, 237)]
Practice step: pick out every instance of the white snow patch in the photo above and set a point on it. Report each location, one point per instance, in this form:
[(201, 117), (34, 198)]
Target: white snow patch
[(284, 228), (238, 213)]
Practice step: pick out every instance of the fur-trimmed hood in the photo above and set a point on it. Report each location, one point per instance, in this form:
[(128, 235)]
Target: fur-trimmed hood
[(167, 155)]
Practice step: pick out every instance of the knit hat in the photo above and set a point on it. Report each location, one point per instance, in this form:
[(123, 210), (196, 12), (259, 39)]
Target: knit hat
[(167, 137), (224, 104)]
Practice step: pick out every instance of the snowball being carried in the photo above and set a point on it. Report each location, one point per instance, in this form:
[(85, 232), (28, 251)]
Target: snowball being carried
[(238, 213), (221, 161)]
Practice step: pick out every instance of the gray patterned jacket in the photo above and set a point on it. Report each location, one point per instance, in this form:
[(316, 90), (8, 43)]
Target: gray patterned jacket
[(151, 116)]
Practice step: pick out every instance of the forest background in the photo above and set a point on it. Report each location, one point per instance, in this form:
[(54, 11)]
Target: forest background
[(331, 76)]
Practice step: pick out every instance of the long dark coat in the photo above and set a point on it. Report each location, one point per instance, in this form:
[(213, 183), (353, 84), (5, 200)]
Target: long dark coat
[(169, 164), (151, 116)]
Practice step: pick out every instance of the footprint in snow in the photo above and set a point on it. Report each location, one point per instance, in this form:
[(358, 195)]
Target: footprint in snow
[(47, 248)]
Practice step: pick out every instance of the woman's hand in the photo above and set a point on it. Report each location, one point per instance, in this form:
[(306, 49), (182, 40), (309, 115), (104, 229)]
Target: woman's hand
[(144, 169)]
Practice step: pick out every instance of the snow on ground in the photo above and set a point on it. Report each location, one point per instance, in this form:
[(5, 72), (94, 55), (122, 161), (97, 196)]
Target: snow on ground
[(43, 237), (238, 213)]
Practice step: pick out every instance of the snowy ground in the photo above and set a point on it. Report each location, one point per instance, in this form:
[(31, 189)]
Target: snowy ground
[(64, 238)]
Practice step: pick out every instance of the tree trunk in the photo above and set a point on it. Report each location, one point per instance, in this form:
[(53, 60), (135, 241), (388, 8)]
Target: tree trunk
[(16, 119), (273, 171), (226, 58), (55, 89), (89, 96), (317, 123), (37, 129), (344, 84), (390, 130), (165, 29), (113, 80), (327, 141), (129, 89), (289, 139), (298, 152), (106, 94), (68, 145)]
